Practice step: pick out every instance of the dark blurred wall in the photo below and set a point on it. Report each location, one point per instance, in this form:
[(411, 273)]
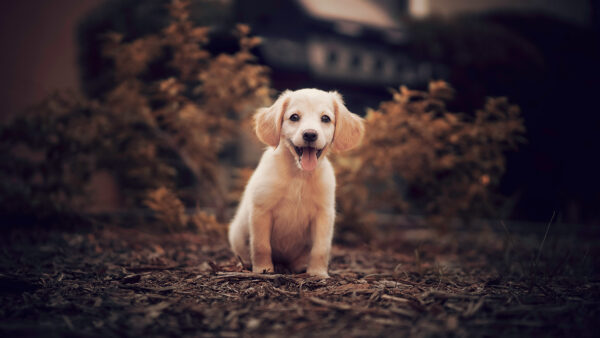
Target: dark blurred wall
[(39, 51)]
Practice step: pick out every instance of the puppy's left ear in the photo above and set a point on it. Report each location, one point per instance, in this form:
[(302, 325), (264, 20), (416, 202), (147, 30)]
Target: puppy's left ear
[(349, 127)]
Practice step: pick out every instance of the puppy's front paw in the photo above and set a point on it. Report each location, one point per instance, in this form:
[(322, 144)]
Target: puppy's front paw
[(263, 269), (318, 273)]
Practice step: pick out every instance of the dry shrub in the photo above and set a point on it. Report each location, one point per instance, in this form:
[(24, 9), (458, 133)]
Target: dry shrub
[(195, 111), (170, 213), (46, 155), (207, 224), (161, 128), (157, 128), (167, 207), (418, 157)]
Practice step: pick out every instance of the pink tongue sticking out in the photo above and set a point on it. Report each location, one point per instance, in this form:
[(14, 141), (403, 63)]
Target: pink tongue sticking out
[(309, 158)]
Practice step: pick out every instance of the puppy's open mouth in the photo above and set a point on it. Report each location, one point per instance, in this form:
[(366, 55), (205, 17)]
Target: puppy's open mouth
[(308, 157)]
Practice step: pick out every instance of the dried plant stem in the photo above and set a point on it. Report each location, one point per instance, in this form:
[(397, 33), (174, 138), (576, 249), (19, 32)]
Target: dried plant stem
[(544, 239)]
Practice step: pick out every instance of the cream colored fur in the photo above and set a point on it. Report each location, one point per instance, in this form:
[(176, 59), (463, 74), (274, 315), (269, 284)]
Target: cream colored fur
[(286, 214)]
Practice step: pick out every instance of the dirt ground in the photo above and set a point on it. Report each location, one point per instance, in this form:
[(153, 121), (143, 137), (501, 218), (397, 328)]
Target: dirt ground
[(128, 282)]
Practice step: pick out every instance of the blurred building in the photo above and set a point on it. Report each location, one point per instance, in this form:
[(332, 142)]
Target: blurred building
[(355, 46), (352, 43), (340, 41), (576, 11)]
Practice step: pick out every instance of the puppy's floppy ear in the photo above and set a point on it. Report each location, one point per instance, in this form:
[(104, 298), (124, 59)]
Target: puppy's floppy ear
[(349, 127), (268, 120)]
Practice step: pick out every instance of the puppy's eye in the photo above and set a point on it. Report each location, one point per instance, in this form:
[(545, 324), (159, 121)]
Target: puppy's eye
[(325, 119), (294, 117)]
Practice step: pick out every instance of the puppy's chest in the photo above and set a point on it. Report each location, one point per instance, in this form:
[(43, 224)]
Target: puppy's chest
[(299, 204)]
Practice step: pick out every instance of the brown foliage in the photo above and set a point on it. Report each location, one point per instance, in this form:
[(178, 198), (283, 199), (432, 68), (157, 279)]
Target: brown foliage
[(145, 132), (154, 128), (167, 208), (170, 213), (46, 155), (195, 111), (418, 157)]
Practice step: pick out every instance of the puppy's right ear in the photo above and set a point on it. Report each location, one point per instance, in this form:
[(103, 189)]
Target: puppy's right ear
[(268, 121)]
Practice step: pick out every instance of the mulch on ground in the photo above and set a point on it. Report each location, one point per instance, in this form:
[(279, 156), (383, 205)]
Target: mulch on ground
[(129, 282)]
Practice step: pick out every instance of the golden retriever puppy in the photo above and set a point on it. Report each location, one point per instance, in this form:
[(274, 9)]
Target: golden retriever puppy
[(287, 211)]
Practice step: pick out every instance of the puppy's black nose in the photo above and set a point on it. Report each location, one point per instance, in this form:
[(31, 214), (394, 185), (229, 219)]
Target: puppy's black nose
[(309, 135)]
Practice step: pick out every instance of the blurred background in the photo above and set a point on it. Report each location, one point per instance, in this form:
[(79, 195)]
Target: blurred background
[(541, 55)]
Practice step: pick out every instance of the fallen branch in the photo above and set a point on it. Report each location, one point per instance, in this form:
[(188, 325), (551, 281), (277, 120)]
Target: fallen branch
[(446, 295), (145, 288), (252, 275), (397, 280), (152, 268)]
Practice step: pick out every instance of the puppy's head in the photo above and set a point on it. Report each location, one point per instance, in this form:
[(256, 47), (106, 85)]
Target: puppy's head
[(309, 122)]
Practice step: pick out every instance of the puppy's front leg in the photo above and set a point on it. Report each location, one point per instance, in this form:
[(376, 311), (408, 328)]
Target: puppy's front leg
[(260, 241), (321, 235)]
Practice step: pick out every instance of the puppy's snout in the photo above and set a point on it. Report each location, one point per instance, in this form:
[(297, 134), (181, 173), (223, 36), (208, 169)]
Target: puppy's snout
[(309, 135)]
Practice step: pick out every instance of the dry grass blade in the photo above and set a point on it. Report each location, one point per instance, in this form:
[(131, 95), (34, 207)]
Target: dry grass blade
[(403, 312), (473, 308), (285, 292), (544, 239), (395, 299), (337, 306), (68, 322)]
